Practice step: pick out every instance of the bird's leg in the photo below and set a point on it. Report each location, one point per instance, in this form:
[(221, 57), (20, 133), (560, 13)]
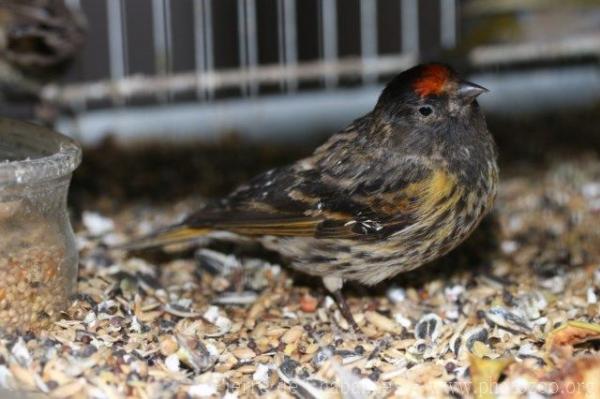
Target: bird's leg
[(345, 309), (334, 286)]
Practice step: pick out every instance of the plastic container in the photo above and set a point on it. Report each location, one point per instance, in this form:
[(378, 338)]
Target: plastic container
[(38, 255)]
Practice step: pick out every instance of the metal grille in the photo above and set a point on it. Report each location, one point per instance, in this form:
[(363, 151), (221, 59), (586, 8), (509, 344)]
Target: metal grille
[(167, 51)]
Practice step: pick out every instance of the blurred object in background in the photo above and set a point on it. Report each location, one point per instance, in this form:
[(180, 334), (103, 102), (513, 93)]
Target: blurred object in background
[(38, 40), (510, 32)]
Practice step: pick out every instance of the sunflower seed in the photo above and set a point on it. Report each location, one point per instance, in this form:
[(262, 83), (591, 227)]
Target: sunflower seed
[(429, 327), (508, 320)]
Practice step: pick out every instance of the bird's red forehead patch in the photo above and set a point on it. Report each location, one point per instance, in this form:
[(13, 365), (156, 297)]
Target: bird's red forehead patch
[(432, 80)]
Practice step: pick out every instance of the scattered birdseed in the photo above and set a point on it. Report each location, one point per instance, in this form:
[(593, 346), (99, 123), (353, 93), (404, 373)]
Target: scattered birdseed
[(519, 318)]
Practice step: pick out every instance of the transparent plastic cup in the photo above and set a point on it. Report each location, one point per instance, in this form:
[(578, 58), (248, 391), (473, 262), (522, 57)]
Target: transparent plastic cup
[(38, 254)]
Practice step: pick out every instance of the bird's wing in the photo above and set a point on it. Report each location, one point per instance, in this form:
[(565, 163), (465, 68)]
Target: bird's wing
[(309, 202), (341, 192), (324, 225)]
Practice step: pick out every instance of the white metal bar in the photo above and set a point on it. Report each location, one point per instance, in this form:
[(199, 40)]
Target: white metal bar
[(208, 43), (158, 36), (168, 36), (203, 49), (136, 85), (116, 50), (124, 37), (506, 54), (252, 42), (242, 43), (329, 38), (291, 40), (199, 44), (368, 38), (409, 20), (281, 37), (162, 37), (161, 24), (287, 32), (448, 23)]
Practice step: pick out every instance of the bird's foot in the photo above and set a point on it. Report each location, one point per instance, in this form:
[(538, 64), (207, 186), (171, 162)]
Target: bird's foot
[(334, 285), (345, 310)]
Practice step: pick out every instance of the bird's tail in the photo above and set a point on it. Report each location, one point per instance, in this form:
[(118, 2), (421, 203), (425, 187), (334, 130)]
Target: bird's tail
[(169, 235)]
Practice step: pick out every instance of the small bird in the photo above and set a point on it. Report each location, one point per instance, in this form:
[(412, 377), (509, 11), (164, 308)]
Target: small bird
[(399, 187)]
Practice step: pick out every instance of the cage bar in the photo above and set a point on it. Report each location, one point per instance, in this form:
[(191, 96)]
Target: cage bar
[(134, 86), (242, 44), (448, 23), (203, 44), (247, 42), (199, 44), (409, 22), (161, 23), (117, 39), (287, 32), (368, 38), (252, 39), (329, 40)]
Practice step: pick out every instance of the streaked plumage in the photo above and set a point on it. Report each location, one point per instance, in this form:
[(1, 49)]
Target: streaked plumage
[(399, 187)]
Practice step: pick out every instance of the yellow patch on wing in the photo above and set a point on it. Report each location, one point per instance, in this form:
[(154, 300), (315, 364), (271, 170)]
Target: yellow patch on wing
[(442, 195), (436, 193), (440, 186)]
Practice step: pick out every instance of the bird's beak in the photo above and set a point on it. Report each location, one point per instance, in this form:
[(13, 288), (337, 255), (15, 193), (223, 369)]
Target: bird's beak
[(468, 91)]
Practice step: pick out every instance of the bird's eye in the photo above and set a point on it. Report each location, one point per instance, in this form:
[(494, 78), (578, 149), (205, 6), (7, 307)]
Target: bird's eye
[(426, 110)]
